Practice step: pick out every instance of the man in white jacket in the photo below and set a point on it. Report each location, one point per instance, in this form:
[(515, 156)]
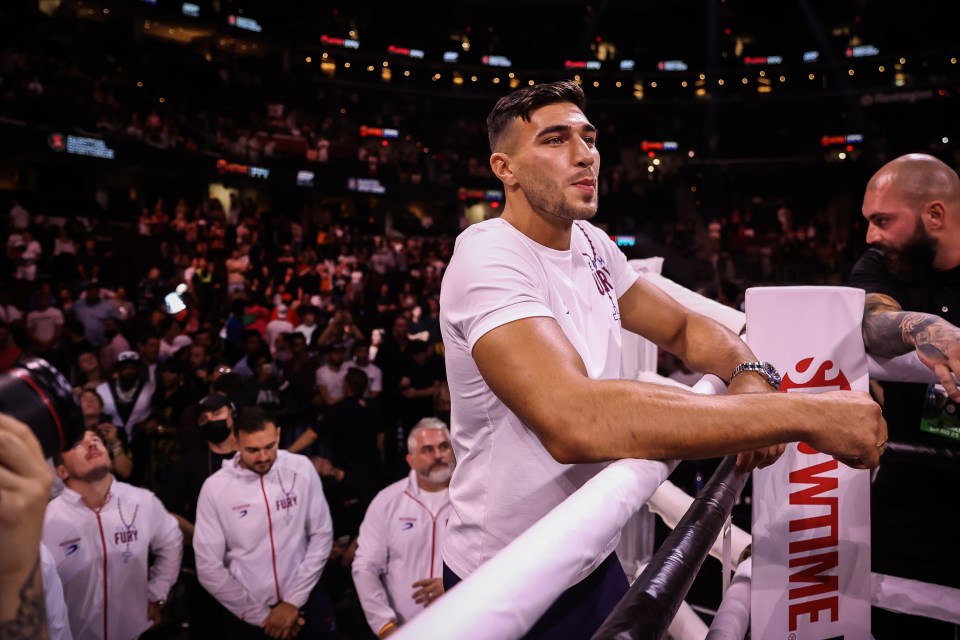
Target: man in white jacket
[(397, 569), (102, 533), (262, 537)]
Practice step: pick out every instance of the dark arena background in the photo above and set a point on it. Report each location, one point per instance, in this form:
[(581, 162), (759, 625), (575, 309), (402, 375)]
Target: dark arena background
[(295, 155)]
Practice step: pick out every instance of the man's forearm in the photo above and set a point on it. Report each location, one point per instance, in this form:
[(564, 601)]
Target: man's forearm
[(888, 333), (22, 611)]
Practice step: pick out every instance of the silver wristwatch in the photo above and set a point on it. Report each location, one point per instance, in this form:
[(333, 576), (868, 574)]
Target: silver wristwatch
[(767, 370)]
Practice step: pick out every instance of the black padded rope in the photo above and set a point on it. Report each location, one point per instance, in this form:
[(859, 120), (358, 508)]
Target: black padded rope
[(647, 609)]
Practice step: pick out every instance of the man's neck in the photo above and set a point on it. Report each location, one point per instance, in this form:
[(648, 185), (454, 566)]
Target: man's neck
[(223, 448), (549, 231), (431, 487), (94, 493)]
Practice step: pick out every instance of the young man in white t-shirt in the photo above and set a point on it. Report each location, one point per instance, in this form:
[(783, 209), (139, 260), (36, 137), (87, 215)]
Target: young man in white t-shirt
[(532, 308)]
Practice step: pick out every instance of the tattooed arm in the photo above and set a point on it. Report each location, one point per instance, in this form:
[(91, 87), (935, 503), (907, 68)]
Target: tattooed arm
[(24, 490), (890, 331)]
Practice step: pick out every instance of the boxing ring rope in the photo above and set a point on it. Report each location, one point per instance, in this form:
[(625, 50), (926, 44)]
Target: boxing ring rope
[(653, 599)]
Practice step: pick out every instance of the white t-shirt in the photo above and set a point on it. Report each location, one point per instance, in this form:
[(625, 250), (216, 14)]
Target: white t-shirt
[(332, 380), (42, 325), (505, 480)]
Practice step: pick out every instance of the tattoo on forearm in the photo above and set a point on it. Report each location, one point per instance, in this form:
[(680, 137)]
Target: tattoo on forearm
[(31, 618)]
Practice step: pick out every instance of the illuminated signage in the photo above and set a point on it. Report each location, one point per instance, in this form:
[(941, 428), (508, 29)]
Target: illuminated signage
[(378, 132), (661, 145), (305, 178), (365, 185), (190, 9), (862, 51), (763, 60), (672, 65), (245, 23), (247, 170), (497, 61), (624, 241), (490, 195), (346, 43), (592, 65), (853, 138), (627, 65), (811, 56), (450, 56), (403, 51), (81, 146)]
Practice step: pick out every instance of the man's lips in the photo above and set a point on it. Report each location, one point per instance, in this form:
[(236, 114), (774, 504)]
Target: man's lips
[(587, 184)]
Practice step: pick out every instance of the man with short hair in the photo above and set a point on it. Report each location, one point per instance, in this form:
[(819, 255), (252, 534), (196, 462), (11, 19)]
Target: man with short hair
[(92, 311), (911, 275), (330, 376), (182, 492), (262, 537), (361, 360), (533, 306), (103, 533), (397, 569)]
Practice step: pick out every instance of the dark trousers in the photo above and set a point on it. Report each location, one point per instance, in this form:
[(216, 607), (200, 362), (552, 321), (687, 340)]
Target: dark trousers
[(317, 611), (581, 609)]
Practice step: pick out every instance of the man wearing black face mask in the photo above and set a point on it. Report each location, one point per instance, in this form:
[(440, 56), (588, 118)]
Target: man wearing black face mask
[(215, 414)]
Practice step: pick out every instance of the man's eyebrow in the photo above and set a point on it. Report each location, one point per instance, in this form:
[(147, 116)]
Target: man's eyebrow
[(563, 128)]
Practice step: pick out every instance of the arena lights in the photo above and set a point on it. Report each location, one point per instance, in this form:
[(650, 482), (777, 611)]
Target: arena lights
[(627, 65), (248, 24), (863, 51), (365, 185), (305, 178), (755, 60), (190, 10), (403, 51), (592, 65), (378, 132), (830, 141), (346, 43), (242, 169), (672, 65), (497, 61), (80, 146), (659, 145), (811, 56), (450, 56), (624, 241)]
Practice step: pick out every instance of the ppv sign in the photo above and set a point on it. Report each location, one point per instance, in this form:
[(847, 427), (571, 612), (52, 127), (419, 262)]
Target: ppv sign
[(811, 515)]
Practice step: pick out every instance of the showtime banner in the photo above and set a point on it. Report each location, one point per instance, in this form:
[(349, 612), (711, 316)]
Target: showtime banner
[(811, 514)]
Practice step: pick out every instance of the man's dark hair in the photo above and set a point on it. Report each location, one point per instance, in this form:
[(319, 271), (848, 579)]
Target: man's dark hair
[(252, 419), (355, 380), (522, 102)]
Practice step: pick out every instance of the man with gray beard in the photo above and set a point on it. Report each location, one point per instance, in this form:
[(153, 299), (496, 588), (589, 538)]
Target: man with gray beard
[(397, 569)]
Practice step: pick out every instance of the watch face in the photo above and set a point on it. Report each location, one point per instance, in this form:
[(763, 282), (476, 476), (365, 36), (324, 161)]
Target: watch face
[(772, 372)]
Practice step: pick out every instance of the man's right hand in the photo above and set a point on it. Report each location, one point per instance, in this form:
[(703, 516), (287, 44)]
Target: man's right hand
[(847, 425)]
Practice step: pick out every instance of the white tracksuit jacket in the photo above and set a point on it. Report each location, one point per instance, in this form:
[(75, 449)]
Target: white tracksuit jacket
[(399, 543), (260, 540), (102, 559)]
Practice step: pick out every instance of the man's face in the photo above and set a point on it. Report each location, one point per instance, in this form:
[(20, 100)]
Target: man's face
[(897, 230), (258, 451), (400, 327), (252, 344), (198, 357), (127, 374), (555, 161), (150, 349), (87, 461), (432, 456), (336, 357)]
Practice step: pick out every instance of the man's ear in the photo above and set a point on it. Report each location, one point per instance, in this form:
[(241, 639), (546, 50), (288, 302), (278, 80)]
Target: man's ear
[(62, 472), (935, 215), (502, 167)]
